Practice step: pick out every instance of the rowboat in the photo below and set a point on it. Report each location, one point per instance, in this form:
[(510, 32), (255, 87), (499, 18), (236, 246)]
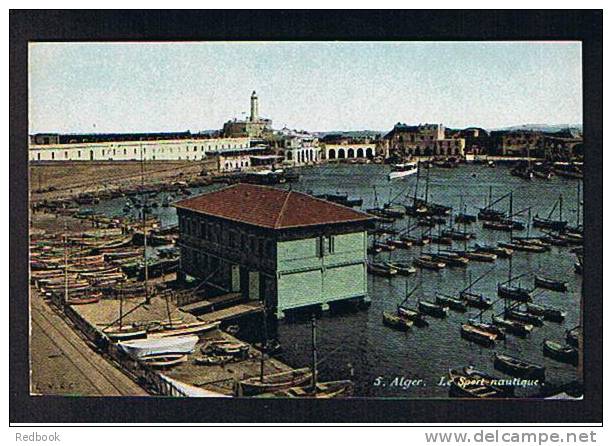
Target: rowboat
[(450, 258), (549, 313), (474, 334), (397, 322), (560, 352), (513, 327), (139, 348), (211, 360), (457, 235), (125, 332), (182, 329), (479, 256), (163, 360), (412, 314), (274, 382), (92, 299), (488, 327), (572, 336), (225, 348), (518, 367), (451, 302), (428, 262), (403, 268), (547, 223), (513, 293), (476, 300), (550, 284), (433, 309), (323, 390), (525, 317), (497, 250), (380, 269)]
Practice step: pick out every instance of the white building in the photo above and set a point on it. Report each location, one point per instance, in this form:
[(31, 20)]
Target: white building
[(159, 149)]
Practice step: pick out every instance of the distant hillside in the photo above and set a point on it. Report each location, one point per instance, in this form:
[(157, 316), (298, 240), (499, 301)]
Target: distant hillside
[(353, 133), (543, 127)]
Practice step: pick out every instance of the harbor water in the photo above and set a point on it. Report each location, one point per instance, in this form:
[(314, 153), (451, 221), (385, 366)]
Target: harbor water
[(387, 363)]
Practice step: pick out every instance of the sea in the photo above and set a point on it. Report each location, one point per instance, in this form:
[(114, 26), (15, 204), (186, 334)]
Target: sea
[(386, 363)]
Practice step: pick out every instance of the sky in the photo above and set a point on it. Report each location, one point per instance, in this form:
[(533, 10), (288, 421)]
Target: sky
[(313, 86)]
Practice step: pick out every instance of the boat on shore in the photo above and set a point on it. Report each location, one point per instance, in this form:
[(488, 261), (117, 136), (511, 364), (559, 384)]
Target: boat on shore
[(163, 360), (138, 348), (518, 367), (274, 382), (182, 329), (322, 390), (562, 353)]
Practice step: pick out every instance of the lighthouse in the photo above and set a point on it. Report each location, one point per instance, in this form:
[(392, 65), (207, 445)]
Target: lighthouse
[(254, 107)]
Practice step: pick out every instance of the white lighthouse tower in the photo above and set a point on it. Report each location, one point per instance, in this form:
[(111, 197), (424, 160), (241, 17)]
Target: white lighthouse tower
[(254, 108)]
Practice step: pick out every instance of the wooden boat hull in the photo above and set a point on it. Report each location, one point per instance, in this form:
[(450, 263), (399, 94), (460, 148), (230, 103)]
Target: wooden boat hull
[(518, 368), (473, 334), (567, 354), (274, 383), (396, 322), (553, 285), (163, 361), (433, 309)]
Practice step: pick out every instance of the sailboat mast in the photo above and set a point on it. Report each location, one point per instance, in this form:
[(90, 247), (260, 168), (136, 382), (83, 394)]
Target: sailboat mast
[(65, 264), (144, 226), (264, 344), (560, 207), (314, 352), (510, 258), (578, 205)]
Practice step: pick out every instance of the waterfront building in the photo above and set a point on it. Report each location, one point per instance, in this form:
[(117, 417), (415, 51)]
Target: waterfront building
[(563, 144), (423, 140), (127, 147), (253, 126), (286, 247), (299, 148), (349, 151)]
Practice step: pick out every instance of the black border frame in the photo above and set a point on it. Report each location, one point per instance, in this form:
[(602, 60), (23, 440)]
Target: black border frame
[(115, 25)]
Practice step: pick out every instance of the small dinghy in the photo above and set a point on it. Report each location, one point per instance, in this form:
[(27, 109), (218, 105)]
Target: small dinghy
[(403, 268), (274, 382), (226, 348), (323, 390), (125, 332), (397, 322), (550, 284), (412, 314), (183, 329), (163, 361), (433, 309), (140, 348), (561, 353), (475, 334), (513, 327), (549, 313), (518, 367), (211, 360), (451, 302)]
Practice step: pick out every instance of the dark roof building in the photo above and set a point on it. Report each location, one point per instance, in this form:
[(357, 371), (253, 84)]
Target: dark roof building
[(270, 208), (286, 248)]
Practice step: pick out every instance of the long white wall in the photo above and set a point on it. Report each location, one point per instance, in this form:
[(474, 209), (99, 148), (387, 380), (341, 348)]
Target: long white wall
[(179, 149)]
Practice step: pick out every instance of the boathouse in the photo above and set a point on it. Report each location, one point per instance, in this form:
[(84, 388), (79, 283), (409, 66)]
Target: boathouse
[(287, 248)]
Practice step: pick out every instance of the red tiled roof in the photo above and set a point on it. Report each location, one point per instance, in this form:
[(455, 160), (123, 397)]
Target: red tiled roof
[(269, 207)]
